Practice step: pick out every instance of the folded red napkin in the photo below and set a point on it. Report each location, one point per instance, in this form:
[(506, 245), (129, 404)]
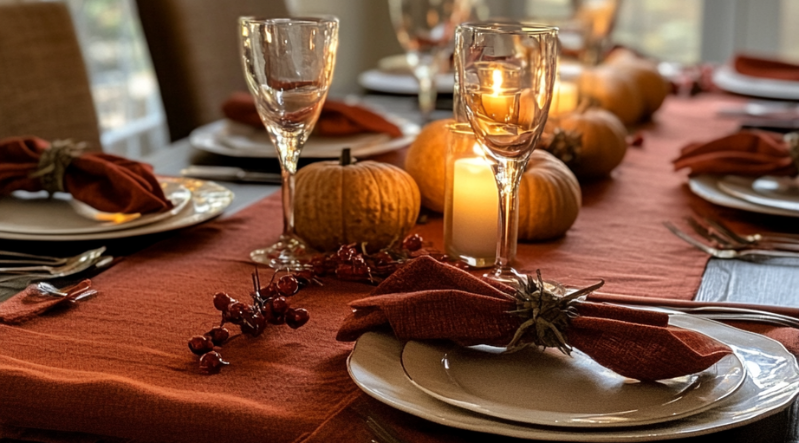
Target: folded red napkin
[(766, 68), (31, 302), (430, 300), (753, 153), (103, 181), (336, 119)]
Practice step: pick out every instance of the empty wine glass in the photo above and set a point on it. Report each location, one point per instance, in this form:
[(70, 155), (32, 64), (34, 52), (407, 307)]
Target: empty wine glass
[(288, 65), (506, 72), (425, 29)]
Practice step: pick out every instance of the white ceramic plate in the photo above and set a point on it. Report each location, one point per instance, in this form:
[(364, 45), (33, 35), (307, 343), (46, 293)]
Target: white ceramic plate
[(771, 385), (752, 189), (225, 137), (728, 79), (402, 83), (208, 200), (706, 186), (537, 387), (35, 213)]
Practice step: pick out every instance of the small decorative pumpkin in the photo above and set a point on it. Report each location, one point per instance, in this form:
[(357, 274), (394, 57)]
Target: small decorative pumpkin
[(549, 198), (365, 202), (426, 163), (644, 73), (602, 143), (614, 91)]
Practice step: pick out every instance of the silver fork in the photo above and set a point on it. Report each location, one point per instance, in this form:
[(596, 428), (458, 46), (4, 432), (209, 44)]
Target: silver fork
[(750, 239), (69, 263), (100, 262), (728, 253)]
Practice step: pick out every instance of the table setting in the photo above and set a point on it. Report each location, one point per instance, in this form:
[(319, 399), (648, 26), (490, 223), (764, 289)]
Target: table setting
[(572, 256)]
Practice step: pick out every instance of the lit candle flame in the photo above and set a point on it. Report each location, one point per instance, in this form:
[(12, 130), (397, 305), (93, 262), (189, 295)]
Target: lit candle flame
[(497, 77)]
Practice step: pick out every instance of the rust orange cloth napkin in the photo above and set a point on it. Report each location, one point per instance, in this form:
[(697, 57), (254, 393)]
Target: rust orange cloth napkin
[(753, 153), (105, 182), (430, 300), (336, 119), (30, 302), (766, 68)]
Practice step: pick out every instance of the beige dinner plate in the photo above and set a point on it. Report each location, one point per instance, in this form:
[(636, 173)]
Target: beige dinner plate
[(207, 201), (36, 214), (551, 388), (771, 385), (707, 187), (757, 190), (228, 138)]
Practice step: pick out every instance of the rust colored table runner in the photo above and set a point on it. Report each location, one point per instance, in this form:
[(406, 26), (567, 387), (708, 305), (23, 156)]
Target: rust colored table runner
[(118, 364)]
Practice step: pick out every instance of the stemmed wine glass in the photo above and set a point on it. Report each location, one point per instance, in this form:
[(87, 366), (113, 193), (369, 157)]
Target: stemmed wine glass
[(425, 29), (505, 74), (288, 65)]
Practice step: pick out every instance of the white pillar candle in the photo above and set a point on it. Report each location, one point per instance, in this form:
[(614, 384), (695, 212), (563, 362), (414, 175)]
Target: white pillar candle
[(564, 98), (475, 208)]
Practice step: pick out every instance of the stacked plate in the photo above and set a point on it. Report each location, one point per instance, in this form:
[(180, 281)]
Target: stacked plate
[(549, 396), (728, 79), (228, 138), (34, 216), (766, 195)]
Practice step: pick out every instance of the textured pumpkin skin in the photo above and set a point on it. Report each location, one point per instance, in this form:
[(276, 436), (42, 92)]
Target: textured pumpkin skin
[(614, 91), (651, 85), (549, 198), (426, 163), (370, 202), (603, 141)]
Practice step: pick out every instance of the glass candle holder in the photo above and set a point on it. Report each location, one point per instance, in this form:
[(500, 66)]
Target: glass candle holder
[(471, 204), (565, 97)]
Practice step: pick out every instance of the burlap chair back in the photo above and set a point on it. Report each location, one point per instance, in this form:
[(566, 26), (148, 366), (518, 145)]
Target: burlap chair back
[(194, 45), (44, 88)]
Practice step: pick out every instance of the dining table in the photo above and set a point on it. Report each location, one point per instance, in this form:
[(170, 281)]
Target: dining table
[(115, 367)]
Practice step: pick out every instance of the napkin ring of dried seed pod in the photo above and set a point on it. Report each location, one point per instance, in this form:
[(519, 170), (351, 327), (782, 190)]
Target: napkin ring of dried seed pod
[(547, 309), (53, 164)]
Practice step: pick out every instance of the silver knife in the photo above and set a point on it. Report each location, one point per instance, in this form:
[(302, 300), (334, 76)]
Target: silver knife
[(230, 173)]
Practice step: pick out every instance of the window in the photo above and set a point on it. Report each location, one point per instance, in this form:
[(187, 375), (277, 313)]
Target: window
[(123, 82)]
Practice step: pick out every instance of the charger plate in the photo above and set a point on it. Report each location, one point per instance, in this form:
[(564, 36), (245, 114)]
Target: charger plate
[(771, 384), (551, 388)]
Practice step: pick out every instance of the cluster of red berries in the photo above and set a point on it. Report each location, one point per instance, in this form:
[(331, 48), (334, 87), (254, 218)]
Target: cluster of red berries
[(350, 264), (270, 302), (270, 306)]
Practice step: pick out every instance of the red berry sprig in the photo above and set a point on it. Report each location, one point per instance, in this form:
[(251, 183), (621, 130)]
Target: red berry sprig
[(269, 306)]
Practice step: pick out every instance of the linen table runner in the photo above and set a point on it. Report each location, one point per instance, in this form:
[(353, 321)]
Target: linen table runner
[(118, 364)]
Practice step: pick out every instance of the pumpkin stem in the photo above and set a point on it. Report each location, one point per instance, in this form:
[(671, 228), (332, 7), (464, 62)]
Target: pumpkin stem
[(346, 158)]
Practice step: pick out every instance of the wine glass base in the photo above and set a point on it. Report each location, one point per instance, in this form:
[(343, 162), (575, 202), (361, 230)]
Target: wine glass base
[(503, 274), (288, 253)]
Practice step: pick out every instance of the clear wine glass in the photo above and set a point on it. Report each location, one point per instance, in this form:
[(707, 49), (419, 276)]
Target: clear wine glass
[(425, 29), (288, 65), (506, 72)]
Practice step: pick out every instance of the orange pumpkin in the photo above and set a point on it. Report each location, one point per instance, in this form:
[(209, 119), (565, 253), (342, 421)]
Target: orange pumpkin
[(549, 198), (364, 202), (426, 163), (602, 141), (614, 91)]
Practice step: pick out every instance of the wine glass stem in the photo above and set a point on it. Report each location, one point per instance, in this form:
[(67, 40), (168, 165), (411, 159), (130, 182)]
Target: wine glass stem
[(508, 173), (288, 202), (425, 72)]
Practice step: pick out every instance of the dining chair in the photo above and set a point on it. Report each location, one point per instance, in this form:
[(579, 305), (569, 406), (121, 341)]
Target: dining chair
[(194, 45), (44, 86)]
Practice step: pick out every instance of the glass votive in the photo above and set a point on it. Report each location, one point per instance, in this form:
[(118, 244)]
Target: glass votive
[(565, 97), (471, 204)]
